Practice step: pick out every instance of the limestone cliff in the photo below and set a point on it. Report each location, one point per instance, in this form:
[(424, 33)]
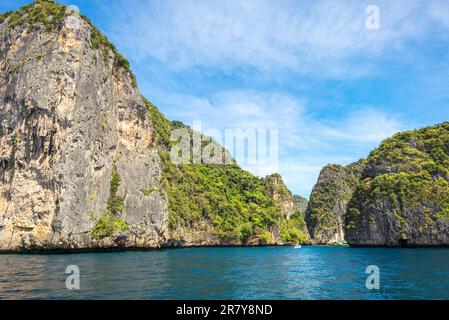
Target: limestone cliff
[(291, 214), (328, 202), (85, 159), (398, 196), (403, 195), (72, 122)]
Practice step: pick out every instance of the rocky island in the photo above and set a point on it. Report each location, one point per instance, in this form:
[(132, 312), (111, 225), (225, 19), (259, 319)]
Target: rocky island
[(398, 196), (85, 163), (84, 158)]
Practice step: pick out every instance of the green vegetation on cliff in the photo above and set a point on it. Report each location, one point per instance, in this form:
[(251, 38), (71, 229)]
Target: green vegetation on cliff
[(115, 202), (399, 195), (110, 223), (51, 14), (46, 12), (410, 171), (237, 204), (294, 229), (327, 205), (301, 203)]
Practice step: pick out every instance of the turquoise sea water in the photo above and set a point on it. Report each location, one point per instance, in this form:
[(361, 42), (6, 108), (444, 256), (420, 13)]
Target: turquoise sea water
[(230, 273)]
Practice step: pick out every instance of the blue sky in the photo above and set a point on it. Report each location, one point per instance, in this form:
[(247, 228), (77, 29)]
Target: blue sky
[(311, 69)]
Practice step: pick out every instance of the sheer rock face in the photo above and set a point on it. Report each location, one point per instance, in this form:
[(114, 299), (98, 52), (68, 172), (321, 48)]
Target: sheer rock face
[(285, 201), (326, 210), (380, 224), (67, 118), (403, 195), (281, 195), (398, 196)]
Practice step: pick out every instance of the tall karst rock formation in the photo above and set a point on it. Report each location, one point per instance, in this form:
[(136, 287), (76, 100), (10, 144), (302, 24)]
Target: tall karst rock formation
[(398, 196), (72, 125), (326, 210), (402, 198), (84, 157)]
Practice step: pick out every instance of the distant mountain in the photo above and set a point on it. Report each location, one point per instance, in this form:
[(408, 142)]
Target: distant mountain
[(301, 203), (85, 159)]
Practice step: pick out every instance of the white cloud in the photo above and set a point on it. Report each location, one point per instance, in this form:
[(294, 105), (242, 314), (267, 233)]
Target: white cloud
[(439, 10), (325, 37), (365, 125)]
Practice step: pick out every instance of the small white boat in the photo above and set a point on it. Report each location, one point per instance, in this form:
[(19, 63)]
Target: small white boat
[(297, 246)]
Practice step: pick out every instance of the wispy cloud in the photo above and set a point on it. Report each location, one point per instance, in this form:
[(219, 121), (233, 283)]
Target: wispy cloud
[(365, 125), (439, 10), (328, 37)]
